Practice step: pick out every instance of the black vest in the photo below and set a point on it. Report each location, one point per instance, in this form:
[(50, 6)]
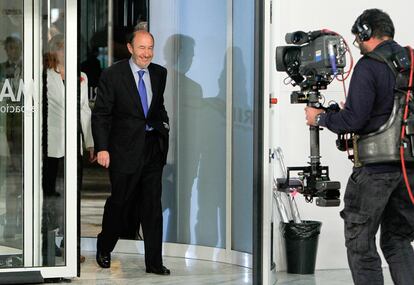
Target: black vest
[(383, 145)]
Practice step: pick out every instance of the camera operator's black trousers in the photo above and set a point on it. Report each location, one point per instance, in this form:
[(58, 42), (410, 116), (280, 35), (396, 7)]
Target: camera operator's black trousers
[(373, 200), (142, 191)]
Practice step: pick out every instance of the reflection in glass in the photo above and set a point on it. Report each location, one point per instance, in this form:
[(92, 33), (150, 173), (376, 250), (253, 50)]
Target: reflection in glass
[(11, 134), (53, 135), (184, 105), (194, 193)]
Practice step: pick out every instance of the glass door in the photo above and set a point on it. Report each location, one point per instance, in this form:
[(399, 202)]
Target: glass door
[(11, 134), (38, 143)]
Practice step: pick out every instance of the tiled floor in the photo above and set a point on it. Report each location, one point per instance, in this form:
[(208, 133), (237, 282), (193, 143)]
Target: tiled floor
[(129, 269)]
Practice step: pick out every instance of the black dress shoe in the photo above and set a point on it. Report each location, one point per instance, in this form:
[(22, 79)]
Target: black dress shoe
[(160, 271), (103, 259)]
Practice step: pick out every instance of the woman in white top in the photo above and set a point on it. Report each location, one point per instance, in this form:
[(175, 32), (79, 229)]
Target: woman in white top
[(54, 130), (55, 72)]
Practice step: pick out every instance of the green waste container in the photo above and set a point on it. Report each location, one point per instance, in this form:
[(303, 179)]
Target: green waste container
[(301, 244)]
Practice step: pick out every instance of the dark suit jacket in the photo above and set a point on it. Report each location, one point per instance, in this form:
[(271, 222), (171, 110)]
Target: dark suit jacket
[(118, 121)]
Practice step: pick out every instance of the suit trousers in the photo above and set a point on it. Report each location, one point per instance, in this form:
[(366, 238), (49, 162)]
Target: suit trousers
[(140, 190), (373, 200)]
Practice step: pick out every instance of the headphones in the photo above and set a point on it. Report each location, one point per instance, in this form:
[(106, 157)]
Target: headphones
[(364, 31)]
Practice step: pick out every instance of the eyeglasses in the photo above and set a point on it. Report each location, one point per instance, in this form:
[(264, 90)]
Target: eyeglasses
[(355, 43)]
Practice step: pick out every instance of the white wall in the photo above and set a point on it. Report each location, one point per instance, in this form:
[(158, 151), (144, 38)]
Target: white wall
[(288, 121)]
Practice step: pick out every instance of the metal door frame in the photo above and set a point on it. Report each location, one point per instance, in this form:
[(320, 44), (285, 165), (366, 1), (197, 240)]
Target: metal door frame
[(32, 56)]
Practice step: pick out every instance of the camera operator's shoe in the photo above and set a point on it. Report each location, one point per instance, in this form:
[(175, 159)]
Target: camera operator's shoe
[(103, 259)]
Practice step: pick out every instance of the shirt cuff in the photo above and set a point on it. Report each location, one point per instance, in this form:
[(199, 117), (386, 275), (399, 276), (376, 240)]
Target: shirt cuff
[(322, 120)]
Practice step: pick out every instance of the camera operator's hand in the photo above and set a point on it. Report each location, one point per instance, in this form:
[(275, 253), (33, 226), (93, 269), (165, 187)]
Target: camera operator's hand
[(311, 114)]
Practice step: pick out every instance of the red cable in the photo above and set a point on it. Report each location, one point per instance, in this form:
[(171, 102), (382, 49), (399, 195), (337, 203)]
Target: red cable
[(343, 85), (343, 79), (348, 149), (404, 169), (348, 73)]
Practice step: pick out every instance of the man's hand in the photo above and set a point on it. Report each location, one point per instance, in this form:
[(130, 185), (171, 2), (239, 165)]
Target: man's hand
[(311, 113), (103, 158)]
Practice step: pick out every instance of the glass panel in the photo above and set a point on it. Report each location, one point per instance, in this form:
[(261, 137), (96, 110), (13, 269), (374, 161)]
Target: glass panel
[(53, 133), (95, 187), (97, 53), (194, 185), (242, 184), (11, 134), (194, 181)]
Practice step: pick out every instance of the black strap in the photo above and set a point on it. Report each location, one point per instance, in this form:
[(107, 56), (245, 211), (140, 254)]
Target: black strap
[(385, 57), (393, 61)]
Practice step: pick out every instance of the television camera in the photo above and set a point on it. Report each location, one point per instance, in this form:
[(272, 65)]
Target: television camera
[(312, 61)]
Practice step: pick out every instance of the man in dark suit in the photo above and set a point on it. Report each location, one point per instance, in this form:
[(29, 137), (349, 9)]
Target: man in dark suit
[(130, 129)]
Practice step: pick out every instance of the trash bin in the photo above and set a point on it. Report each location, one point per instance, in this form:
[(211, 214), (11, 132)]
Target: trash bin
[(301, 244)]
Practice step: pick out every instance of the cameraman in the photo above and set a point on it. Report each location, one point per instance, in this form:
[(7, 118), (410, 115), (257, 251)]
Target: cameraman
[(375, 194)]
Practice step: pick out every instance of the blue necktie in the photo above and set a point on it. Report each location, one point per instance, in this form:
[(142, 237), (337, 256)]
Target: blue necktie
[(142, 92)]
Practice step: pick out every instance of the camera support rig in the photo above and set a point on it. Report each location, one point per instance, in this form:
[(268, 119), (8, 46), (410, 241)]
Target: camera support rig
[(312, 61), (315, 177)]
